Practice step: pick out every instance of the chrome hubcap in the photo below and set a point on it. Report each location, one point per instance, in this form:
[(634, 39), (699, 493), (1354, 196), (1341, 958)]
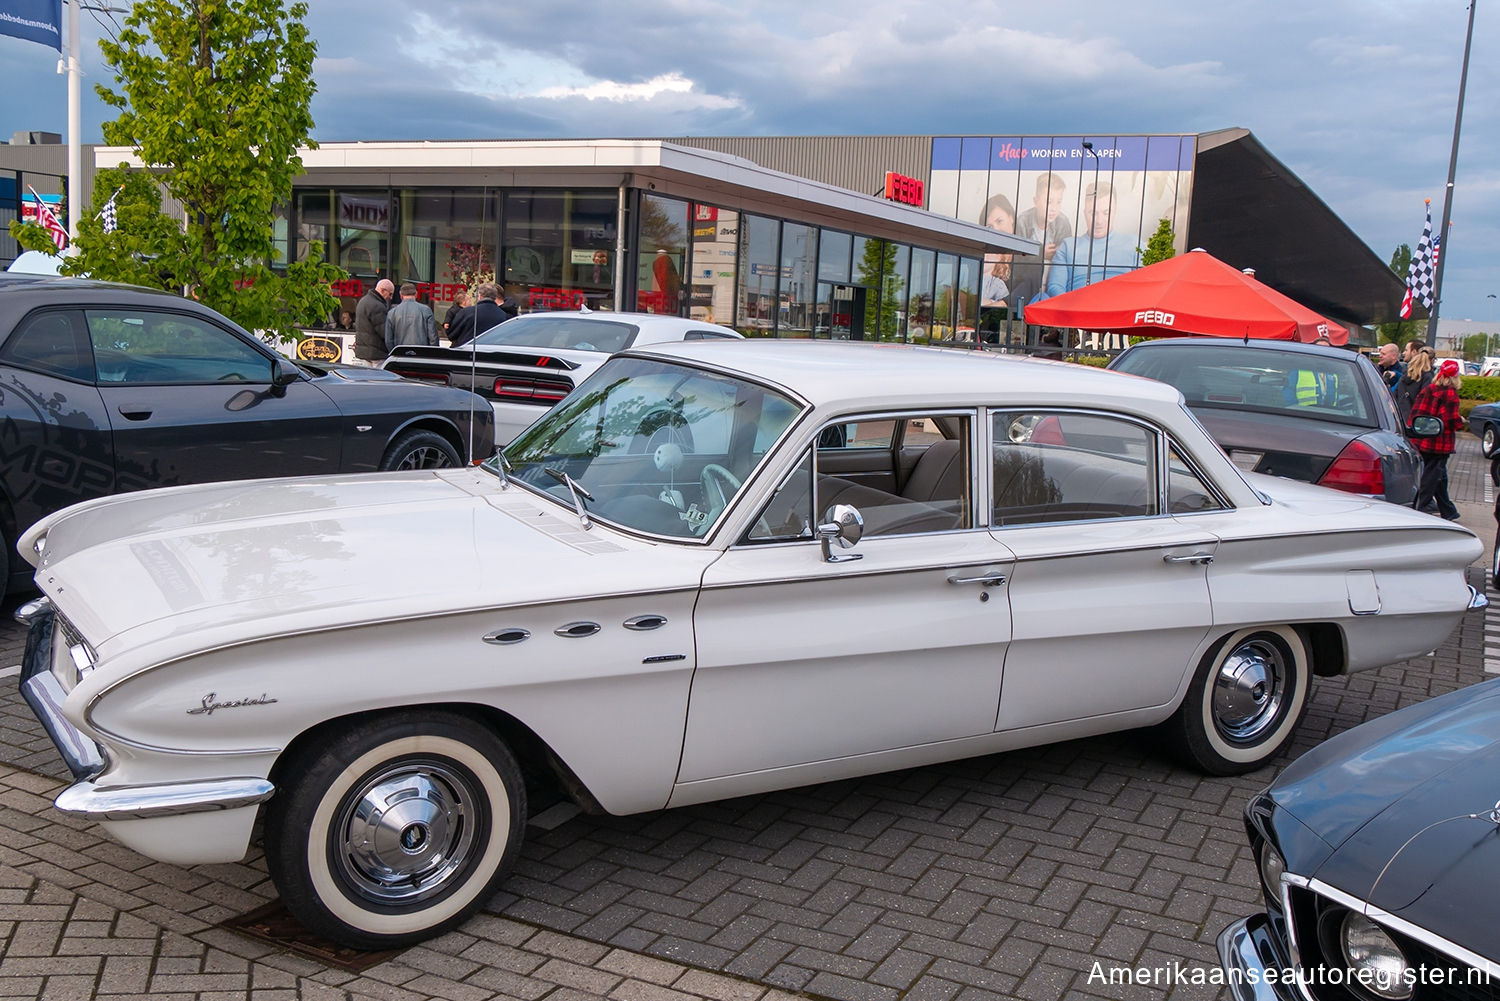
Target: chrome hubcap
[(404, 834), (1249, 691), (425, 458)]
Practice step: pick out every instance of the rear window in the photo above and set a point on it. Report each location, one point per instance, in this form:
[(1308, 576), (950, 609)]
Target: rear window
[(578, 333), (1234, 377)]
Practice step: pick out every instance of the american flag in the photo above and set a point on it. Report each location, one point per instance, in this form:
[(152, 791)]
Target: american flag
[(48, 221), (1419, 276)]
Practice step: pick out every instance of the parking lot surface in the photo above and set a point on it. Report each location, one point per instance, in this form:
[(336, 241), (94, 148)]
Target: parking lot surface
[(1094, 869)]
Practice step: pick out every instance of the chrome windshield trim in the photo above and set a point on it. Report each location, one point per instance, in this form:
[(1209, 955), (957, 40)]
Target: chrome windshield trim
[(1423, 935), (87, 801)]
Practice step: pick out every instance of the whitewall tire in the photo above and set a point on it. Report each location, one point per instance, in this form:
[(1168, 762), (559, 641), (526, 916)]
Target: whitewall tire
[(396, 829), (1245, 701)]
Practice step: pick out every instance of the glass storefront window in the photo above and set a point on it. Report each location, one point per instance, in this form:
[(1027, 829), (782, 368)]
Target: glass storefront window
[(919, 301), (314, 223), (883, 267), (715, 244), (945, 300), (833, 255), (557, 247), (968, 300), (662, 255), (759, 271), (795, 315), (447, 243), (362, 222)]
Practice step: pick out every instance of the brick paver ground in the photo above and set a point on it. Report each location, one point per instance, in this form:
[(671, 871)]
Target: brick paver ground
[(1009, 876)]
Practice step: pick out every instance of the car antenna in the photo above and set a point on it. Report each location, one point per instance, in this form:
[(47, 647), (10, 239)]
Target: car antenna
[(484, 199)]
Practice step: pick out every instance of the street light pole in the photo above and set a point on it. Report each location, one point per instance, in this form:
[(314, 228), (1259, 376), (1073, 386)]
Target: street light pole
[(1442, 233), (1088, 147)]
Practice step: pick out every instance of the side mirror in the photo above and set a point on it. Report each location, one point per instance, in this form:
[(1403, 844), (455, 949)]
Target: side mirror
[(1425, 427), (283, 374), (842, 526)]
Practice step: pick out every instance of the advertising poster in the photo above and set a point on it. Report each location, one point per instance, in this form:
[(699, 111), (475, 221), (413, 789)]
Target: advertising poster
[(1092, 207)]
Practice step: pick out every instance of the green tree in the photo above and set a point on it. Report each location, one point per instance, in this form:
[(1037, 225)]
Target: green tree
[(1476, 346), (1401, 331), (877, 270), (214, 97), (1160, 247)]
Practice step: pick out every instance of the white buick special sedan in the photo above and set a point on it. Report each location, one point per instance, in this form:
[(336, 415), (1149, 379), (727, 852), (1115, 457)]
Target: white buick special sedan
[(715, 569)]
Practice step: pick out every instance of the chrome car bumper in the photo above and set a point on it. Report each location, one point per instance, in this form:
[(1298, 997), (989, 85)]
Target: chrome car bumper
[(1478, 599), (86, 759), (1254, 968)]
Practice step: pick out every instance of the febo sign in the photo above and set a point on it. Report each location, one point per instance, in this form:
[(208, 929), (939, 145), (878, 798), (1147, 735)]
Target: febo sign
[(903, 189)]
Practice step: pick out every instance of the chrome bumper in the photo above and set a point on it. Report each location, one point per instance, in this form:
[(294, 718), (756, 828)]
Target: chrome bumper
[(1254, 968), (89, 802), (44, 693), (1478, 599)]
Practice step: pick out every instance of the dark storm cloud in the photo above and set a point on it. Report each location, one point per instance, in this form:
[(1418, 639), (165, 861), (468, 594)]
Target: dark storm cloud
[(1355, 96)]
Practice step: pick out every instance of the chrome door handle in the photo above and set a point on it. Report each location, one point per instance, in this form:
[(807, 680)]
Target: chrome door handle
[(988, 579), (1204, 558)]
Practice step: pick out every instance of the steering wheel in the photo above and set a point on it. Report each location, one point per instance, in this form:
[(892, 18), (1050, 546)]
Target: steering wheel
[(713, 479)]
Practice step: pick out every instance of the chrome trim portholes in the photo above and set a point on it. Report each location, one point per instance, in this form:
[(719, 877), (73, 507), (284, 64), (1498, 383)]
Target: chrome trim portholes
[(577, 630), (642, 623), (505, 637)]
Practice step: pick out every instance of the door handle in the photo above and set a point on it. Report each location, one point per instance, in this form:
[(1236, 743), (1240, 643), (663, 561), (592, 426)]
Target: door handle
[(134, 413), (1203, 558), (993, 579)]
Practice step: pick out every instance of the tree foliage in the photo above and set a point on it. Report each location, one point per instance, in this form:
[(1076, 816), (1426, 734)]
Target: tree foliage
[(1401, 331), (1160, 247), (213, 97), (877, 269)]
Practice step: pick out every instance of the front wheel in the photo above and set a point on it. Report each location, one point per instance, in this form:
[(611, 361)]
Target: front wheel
[(1488, 440), (393, 830), (1244, 702), (420, 450)]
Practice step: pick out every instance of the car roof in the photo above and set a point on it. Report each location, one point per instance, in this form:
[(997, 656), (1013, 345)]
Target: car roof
[(660, 320), (1253, 344), (835, 372)]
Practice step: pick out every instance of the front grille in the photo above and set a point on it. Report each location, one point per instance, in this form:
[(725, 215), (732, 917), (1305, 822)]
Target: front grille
[(1438, 976)]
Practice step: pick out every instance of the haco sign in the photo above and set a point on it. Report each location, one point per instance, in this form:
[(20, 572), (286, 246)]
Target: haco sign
[(903, 189)]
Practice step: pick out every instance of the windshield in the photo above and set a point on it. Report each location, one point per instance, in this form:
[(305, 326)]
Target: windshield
[(656, 447), (1236, 377), (577, 331)]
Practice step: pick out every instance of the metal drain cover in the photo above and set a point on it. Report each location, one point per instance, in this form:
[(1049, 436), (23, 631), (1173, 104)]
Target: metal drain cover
[(272, 923)]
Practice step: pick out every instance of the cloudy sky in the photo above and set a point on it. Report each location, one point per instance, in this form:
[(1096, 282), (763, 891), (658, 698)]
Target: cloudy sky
[(1355, 96)]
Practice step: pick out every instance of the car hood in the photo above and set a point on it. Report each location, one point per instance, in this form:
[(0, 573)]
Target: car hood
[(225, 563), (1394, 796)]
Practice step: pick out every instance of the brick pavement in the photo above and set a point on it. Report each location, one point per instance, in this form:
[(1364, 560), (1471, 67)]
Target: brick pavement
[(1001, 877)]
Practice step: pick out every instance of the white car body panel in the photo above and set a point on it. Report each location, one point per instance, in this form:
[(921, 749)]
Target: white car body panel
[(282, 604)]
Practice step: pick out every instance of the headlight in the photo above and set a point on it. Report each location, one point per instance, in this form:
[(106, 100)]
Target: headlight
[(1375, 958), (1272, 869)]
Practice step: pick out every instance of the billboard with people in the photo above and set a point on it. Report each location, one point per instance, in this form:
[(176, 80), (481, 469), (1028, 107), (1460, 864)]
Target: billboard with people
[(1092, 202)]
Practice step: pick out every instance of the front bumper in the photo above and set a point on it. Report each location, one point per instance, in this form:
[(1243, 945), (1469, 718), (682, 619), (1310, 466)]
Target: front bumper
[(85, 799), (1255, 968)]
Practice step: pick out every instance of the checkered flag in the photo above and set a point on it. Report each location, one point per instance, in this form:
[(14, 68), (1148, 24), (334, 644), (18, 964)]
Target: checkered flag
[(107, 214), (1423, 266)]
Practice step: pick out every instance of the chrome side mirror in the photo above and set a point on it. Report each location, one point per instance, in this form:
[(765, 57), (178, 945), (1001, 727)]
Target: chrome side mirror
[(1425, 427), (844, 526)]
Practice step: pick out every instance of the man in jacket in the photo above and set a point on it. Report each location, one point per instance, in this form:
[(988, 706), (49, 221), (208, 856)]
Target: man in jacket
[(410, 323), (474, 320), (369, 323)]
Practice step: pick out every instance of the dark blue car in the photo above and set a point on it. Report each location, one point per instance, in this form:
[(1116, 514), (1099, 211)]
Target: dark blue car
[(1378, 853)]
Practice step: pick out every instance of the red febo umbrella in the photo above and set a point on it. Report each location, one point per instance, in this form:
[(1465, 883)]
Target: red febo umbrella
[(1195, 294)]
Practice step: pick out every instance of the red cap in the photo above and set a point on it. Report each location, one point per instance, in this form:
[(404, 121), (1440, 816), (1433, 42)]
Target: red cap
[(1448, 369)]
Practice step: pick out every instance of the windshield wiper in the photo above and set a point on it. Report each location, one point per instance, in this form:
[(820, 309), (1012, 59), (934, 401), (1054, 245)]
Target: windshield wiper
[(577, 491)]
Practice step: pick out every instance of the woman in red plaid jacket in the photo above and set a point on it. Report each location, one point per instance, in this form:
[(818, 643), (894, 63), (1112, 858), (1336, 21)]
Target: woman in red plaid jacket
[(1438, 399)]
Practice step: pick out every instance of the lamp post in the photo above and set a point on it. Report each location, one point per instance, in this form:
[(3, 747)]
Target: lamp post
[(1088, 147)]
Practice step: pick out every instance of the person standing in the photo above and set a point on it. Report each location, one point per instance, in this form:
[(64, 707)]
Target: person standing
[(1438, 399), (1415, 379), (1092, 256), (369, 323), (1388, 364), (411, 322), (1045, 223), (474, 320), (463, 300)]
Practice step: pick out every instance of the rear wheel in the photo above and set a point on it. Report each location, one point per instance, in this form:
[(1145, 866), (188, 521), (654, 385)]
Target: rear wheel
[(396, 829), (420, 450), (1244, 702), (1489, 439)]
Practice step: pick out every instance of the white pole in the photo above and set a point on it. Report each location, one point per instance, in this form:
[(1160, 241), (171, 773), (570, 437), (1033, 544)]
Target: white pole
[(75, 125)]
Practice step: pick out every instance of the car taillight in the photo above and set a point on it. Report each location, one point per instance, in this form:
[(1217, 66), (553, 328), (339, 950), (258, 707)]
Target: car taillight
[(410, 373), (547, 391), (1357, 470)]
